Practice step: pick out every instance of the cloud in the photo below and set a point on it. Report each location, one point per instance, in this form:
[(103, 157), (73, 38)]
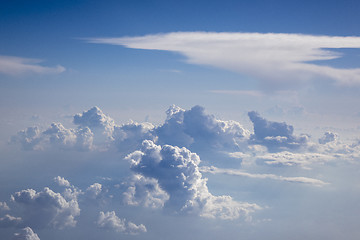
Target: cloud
[(328, 137), (56, 136), (128, 137), (26, 234), (94, 190), (145, 191), (18, 66), (28, 139), (96, 120), (4, 206), (62, 181), (177, 172), (275, 135), (197, 130), (110, 221), (10, 221), (46, 208), (235, 172), (305, 160), (271, 57)]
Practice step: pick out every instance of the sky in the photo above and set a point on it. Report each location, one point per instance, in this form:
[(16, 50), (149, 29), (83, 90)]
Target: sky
[(160, 119)]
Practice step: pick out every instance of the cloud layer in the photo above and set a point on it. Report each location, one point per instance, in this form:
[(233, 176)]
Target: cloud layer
[(14, 66), (271, 57), (158, 169)]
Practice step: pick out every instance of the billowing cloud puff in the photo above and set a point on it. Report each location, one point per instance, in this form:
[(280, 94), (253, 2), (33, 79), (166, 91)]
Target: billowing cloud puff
[(110, 221), (60, 136), (275, 135), (128, 137), (97, 121), (96, 131), (177, 172), (26, 234), (4, 206), (46, 208), (28, 139), (145, 191), (197, 130), (62, 181), (56, 136), (94, 190), (328, 137)]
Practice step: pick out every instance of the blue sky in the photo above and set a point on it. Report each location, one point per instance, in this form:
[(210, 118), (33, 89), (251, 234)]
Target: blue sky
[(214, 119)]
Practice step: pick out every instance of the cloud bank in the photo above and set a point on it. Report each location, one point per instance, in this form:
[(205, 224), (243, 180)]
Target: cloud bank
[(157, 169), (270, 57)]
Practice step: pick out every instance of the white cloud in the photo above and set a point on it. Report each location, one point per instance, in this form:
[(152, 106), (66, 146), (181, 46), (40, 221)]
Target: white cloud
[(17, 66), (268, 56), (28, 139), (4, 206), (46, 208), (10, 221), (305, 160), (177, 172), (199, 131), (26, 234), (128, 137), (328, 137), (145, 191), (56, 136), (94, 190), (96, 120), (110, 221), (62, 181), (275, 135), (311, 181)]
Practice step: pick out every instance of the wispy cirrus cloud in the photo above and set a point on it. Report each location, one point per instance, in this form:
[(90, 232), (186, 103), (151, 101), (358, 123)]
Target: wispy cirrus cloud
[(14, 66), (235, 172), (270, 57)]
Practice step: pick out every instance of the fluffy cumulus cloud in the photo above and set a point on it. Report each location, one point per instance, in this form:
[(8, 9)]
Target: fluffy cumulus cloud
[(95, 131), (110, 221), (4, 206), (128, 137), (15, 66), (56, 136), (197, 130), (270, 57), (145, 191), (26, 234), (97, 121), (45, 208), (177, 172), (274, 135), (28, 139), (94, 190), (328, 137)]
